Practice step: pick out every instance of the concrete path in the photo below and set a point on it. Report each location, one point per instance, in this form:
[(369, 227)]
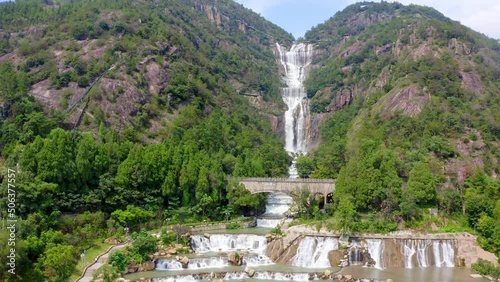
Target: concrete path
[(102, 259)]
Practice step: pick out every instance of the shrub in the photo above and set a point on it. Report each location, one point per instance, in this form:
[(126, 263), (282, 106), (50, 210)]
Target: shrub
[(485, 267), (233, 225)]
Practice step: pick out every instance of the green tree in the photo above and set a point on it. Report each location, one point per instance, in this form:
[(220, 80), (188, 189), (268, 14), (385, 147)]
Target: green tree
[(305, 166), (421, 184), (346, 215), (58, 262), (119, 261), (144, 245)]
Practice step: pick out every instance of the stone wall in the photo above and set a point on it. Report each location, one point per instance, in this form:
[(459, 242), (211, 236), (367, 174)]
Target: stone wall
[(221, 226)]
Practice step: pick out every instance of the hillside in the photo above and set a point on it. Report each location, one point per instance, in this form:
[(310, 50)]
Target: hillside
[(128, 117), (413, 123), (154, 58)]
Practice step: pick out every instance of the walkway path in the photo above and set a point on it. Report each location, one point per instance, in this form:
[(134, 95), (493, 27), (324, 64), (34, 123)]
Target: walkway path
[(101, 260)]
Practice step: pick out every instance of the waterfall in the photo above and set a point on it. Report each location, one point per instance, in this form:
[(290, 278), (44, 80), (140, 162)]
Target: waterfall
[(297, 115), (422, 252), (277, 205), (257, 260), (281, 276), (269, 276), (268, 222), (444, 253), (194, 263), (229, 242), (313, 252), (376, 251), (355, 254), (179, 278), (297, 118), (408, 251)]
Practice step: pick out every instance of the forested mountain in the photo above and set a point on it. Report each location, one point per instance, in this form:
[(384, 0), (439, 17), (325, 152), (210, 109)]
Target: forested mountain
[(122, 113), (414, 102)]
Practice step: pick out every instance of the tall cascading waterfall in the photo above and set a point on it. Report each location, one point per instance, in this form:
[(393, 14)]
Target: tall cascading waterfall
[(297, 118)]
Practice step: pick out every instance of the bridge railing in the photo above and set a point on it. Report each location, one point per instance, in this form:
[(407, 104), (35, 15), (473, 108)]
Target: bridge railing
[(276, 179)]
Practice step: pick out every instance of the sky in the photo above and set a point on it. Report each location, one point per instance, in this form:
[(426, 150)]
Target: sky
[(298, 16)]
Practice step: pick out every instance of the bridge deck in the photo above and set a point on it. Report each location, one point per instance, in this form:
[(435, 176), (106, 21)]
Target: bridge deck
[(287, 185), (275, 179)]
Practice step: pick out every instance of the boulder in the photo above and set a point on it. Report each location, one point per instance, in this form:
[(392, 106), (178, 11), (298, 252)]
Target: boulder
[(206, 235), (249, 271), (348, 277), (132, 269), (148, 266), (184, 261), (235, 259), (326, 275), (339, 277), (335, 256)]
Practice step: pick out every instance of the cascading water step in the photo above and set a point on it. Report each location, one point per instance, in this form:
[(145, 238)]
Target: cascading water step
[(229, 242), (278, 204), (211, 262)]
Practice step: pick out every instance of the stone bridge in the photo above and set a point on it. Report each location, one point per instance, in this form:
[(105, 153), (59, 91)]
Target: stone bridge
[(287, 185)]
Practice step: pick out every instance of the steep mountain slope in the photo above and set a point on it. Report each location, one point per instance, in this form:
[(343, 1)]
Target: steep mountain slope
[(414, 113), (155, 57)]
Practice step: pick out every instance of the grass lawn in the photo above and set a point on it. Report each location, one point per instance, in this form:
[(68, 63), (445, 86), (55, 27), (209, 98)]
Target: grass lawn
[(90, 256)]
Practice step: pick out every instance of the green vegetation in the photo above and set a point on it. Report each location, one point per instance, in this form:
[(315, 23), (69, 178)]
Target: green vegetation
[(417, 134), (485, 267), (177, 138), (233, 225)]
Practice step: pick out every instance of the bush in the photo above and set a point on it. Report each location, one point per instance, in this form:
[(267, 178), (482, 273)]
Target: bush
[(233, 225), (144, 245), (167, 237), (119, 261), (485, 267)]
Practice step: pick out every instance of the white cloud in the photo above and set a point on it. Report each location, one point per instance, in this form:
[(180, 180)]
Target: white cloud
[(480, 15)]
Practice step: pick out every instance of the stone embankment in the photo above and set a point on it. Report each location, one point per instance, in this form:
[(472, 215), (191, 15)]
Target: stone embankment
[(219, 226), (281, 249)]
